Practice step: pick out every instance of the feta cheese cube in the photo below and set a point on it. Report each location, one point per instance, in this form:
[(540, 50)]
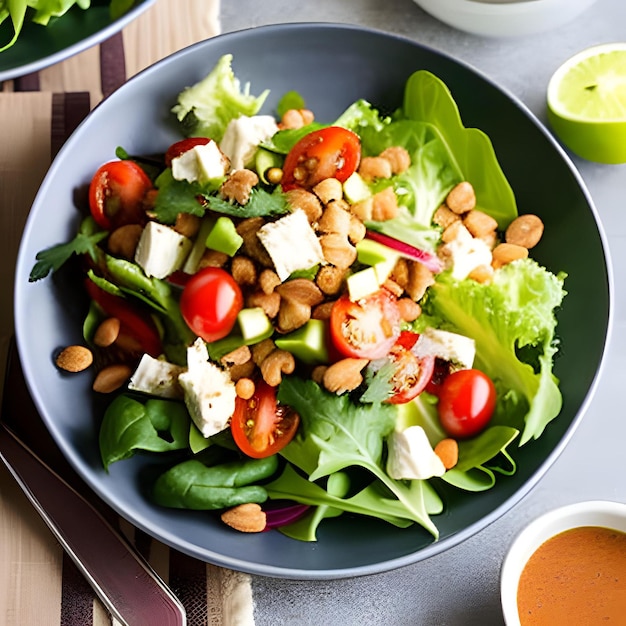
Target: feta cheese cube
[(156, 377), (457, 349), (243, 136), (161, 250), (411, 457), (200, 163), (291, 243), (208, 390)]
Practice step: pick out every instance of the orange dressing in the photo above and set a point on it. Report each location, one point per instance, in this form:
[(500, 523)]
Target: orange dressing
[(576, 578)]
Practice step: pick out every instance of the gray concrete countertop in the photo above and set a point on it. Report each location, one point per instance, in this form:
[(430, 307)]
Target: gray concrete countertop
[(461, 585)]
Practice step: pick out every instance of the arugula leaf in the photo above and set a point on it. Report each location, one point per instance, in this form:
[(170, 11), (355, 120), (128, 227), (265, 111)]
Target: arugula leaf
[(129, 425), (336, 434), (51, 259), (260, 204)]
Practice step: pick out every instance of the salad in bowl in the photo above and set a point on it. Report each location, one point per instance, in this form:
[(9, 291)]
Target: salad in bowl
[(310, 319)]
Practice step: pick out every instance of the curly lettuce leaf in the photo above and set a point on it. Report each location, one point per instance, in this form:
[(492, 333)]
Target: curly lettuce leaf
[(206, 108), (513, 323)]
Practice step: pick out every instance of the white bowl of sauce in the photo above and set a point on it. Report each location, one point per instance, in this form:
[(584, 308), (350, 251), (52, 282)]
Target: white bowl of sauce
[(568, 567)]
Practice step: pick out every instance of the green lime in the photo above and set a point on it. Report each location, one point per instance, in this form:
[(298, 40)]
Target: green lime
[(587, 103)]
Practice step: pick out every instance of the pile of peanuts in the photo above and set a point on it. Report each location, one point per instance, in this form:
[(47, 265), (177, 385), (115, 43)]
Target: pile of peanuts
[(339, 226)]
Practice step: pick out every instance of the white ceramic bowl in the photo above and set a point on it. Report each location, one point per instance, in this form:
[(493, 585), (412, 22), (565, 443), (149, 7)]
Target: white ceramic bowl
[(592, 513), (504, 18)]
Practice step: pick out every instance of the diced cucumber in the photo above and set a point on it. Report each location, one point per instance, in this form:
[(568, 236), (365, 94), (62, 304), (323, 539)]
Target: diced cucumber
[(224, 237), (356, 189), (308, 343)]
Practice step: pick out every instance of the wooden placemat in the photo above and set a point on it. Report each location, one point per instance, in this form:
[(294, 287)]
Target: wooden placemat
[(39, 585)]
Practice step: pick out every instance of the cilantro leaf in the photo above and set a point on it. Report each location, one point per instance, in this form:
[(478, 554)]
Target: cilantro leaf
[(176, 196), (378, 383), (51, 259), (260, 204)]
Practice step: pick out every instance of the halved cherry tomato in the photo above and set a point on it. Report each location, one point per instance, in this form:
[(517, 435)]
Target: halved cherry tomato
[(260, 426), (331, 152), (210, 303), (466, 402), (366, 329), (134, 323), (182, 146), (411, 375), (116, 194)]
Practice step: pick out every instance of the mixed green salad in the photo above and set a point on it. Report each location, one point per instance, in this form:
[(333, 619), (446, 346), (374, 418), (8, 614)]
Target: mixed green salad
[(313, 319), (44, 11)]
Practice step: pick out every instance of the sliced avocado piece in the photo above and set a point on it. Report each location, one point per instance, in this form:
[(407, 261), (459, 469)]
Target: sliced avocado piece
[(224, 237), (356, 189), (362, 284), (307, 343), (265, 160), (199, 246), (254, 325)]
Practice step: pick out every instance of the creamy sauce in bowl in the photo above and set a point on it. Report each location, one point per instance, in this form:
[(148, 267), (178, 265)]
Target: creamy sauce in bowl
[(576, 577)]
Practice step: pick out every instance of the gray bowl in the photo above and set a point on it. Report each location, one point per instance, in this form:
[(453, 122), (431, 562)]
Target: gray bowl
[(331, 66)]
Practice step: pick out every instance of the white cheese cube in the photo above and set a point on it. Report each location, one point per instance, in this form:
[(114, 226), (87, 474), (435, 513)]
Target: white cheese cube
[(209, 391), (457, 349), (411, 457), (243, 136), (161, 250), (291, 243), (156, 377), (200, 163)]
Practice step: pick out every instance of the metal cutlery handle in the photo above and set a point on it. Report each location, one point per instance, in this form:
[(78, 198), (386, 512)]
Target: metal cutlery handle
[(125, 583)]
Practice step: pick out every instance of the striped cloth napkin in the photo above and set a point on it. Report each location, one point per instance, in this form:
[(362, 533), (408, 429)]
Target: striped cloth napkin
[(38, 583)]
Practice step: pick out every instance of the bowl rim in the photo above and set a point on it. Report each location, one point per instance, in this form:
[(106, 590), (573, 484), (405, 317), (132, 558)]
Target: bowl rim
[(603, 513), (23, 266)]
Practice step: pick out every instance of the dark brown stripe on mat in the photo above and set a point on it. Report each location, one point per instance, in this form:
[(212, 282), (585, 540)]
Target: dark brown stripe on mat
[(188, 582), (76, 596), (112, 64), (29, 82), (68, 111)]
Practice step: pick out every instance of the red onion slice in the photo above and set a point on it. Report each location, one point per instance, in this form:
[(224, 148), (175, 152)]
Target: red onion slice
[(430, 260), (283, 515)]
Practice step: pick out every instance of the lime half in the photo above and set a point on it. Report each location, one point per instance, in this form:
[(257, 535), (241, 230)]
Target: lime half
[(587, 103)]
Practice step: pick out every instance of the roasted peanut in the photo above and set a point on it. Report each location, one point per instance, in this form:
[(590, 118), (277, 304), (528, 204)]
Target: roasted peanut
[(384, 205), (330, 279), (371, 168), (344, 375), (307, 201), (292, 315), (454, 231), (505, 253), (317, 375), (268, 281), (300, 290), (296, 118), (243, 370), (461, 198), (261, 350), (392, 286), (444, 217), (525, 230), (328, 190), (398, 157), (269, 302), (122, 242), (238, 356), (338, 250), (245, 388), (363, 209), (107, 332), (111, 378), (252, 246), (481, 274), (400, 273), (243, 270), (213, 258), (448, 451), (246, 518), (357, 230), (334, 219), (420, 278), (187, 225), (74, 358), (479, 224), (322, 311), (409, 309)]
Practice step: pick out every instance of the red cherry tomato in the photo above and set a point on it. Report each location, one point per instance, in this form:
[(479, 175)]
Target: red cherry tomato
[(134, 323), (182, 146), (411, 375), (210, 303), (366, 329), (331, 152), (466, 402), (116, 194), (260, 426)]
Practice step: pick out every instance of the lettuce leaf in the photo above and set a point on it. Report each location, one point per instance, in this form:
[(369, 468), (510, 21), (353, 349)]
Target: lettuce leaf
[(513, 323), (204, 109)]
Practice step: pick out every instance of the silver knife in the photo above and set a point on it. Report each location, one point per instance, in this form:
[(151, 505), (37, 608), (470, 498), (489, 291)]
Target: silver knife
[(125, 583)]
